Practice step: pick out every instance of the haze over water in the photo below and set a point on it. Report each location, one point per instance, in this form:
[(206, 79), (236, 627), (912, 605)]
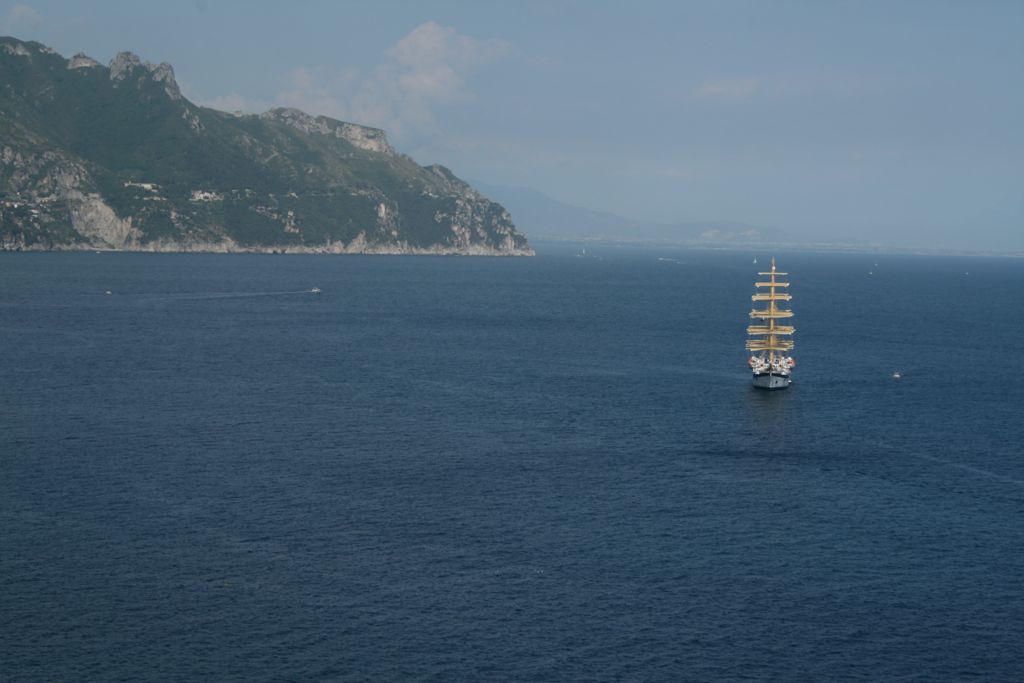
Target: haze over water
[(512, 469), (870, 123)]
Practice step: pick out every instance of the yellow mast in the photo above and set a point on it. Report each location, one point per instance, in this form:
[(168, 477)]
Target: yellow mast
[(769, 337)]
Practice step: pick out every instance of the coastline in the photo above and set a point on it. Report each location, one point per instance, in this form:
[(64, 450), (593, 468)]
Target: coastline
[(395, 249)]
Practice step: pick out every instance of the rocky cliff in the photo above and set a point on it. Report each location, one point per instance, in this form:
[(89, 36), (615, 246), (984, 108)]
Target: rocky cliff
[(114, 157)]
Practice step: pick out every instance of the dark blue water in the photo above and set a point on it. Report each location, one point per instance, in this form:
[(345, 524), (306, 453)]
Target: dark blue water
[(507, 469)]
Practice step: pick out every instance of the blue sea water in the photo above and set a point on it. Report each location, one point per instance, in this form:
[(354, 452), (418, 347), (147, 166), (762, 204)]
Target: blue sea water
[(508, 469)]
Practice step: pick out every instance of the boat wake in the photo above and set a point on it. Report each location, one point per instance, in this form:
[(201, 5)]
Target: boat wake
[(971, 469), (230, 295)]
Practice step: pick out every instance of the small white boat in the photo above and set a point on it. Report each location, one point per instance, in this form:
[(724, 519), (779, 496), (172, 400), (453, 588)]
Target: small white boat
[(315, 290), (896, 375)]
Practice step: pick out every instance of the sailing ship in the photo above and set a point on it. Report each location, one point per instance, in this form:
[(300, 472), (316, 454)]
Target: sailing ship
[(770, 341)]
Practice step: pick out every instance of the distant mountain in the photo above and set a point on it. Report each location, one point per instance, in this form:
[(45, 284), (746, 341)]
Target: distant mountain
[(114, 157), (547, 218)]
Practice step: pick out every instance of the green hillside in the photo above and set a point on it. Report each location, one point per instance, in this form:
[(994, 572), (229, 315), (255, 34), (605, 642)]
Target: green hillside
[(95, 156)]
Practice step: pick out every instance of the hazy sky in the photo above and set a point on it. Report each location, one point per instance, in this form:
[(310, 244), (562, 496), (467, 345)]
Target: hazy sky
[(897, 121)]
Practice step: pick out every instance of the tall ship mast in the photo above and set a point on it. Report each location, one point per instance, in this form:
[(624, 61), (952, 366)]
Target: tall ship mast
[(769, 340)]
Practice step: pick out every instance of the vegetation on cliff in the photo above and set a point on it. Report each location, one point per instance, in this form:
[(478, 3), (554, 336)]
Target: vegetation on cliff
[(96, 156)]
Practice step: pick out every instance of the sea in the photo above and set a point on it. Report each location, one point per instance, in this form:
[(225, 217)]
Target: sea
[(508, 469)]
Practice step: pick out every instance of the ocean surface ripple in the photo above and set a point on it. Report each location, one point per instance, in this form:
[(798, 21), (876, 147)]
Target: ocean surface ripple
[(507, 469)]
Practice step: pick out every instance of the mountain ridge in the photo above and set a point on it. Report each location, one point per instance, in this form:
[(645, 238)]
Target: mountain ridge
[(115, 157), (547, 218)]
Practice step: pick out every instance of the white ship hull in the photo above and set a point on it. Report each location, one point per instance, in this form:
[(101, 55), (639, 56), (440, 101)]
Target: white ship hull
[(770, 339), (771, 381)]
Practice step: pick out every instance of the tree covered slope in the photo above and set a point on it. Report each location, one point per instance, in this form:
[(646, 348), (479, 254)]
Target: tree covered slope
[(114, 157)]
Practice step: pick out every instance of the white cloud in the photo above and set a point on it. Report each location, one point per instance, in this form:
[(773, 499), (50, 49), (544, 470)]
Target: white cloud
[(319, 91), (427, 70), (784, 85), (424, 71), (730, 89), (233, 102), (822, 83), (433, 60), (20, 18)]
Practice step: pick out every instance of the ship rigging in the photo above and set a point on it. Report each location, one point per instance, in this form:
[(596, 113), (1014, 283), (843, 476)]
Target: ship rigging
[(769, 340)]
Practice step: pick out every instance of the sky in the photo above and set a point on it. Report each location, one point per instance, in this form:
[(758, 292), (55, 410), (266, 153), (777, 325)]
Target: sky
[(892, 123)]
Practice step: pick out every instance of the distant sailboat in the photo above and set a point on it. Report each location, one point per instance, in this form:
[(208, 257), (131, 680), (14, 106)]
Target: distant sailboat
[(769, 341)]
